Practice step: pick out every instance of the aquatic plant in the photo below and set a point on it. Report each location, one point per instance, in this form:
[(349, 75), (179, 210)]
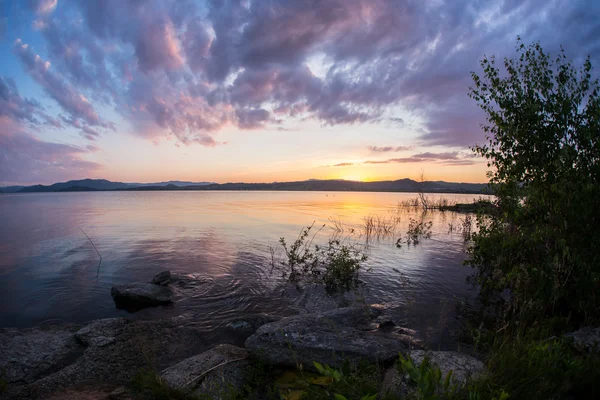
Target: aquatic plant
[(417, 231), (335, 265)]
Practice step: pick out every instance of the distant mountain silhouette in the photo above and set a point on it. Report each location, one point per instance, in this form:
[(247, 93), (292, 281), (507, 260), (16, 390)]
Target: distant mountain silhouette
[(401, 185), (83, 185)]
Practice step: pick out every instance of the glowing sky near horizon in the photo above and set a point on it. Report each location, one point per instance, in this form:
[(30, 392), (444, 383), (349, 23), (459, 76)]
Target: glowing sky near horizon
[(249, 90)]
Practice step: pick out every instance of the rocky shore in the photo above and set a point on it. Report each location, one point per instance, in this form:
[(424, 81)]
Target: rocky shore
[(102, 357)]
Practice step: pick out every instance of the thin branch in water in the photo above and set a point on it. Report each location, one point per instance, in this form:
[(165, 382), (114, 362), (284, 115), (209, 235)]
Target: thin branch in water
[(95, 248)]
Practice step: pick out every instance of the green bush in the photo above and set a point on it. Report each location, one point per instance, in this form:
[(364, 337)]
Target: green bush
[(538, 256)]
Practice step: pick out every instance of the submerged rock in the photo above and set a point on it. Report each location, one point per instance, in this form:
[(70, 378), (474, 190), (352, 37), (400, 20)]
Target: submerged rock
[(248, 325), (134, 296), (314, 298), (329, 338), (216, 373)]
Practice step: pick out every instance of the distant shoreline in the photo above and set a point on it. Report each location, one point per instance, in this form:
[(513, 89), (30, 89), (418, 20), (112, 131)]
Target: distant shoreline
[(397, 186)]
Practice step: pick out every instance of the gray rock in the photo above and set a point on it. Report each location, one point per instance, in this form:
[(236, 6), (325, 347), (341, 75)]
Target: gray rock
[(248, 325), (101, 332), (137, 295), (110, 350), (162, 278), (30, 354), (214, 373), (394, 383), (313, 298), (329, 338), (463, 366), (586, 339)]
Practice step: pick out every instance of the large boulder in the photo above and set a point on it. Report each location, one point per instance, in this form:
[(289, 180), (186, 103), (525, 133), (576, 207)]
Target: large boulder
[(216, 373), (134, 296), (328, 338)]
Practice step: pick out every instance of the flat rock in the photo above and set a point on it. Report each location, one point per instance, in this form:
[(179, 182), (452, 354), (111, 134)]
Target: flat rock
[(214, 373), (30, 354), (109, 350), (586, 339), (140, 294), (101, 332), (329, 338)]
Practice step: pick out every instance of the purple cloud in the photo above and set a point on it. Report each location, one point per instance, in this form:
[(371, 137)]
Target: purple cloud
[(71, 101), (191, 69), (446, 158), (387, 149), (27, 159)]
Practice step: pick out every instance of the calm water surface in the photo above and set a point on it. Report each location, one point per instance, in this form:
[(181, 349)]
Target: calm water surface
[(50, 272)]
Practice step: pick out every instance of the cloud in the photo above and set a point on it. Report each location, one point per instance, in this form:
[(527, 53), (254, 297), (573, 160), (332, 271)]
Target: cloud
[(71, 101), (386, 149), (25, 159), (344, 164), (21, 109), (194, 68), (445, 158), (42, 7)]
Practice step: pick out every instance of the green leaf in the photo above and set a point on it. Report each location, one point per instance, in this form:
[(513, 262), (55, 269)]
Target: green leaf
[(319, 367)]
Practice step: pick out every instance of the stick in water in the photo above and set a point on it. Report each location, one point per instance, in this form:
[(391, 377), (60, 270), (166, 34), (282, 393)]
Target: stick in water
[(94, 249)]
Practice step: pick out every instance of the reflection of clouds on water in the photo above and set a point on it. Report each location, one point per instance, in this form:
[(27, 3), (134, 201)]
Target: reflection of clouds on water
[(220, 240)]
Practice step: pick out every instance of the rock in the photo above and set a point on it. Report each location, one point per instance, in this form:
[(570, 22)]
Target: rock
[(313, 298), (586, 339), (101, 332), (162, 278), (214, 373), (463, 366), (30, 354), (248, 325), (394, 384), (109, 350), (135, 296), (329, 338)]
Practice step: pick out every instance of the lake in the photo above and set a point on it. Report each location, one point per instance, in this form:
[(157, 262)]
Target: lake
[(50, 271)]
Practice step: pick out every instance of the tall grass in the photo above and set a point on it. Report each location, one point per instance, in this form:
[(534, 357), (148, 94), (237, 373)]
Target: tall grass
[(377, 227)]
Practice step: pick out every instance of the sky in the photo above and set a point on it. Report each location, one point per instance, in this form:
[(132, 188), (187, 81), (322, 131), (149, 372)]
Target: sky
[(259, 90)]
